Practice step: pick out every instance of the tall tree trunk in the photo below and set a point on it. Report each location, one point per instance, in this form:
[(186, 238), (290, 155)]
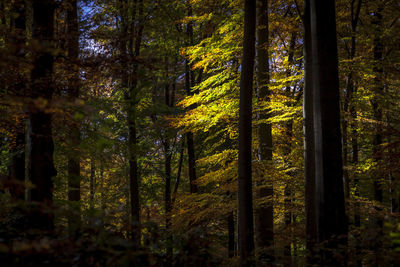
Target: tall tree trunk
[(378, 90), (17, 166), (309, 147), (167, 169), (189, 83), (245, 194), (134, 176), (329, 193), (264, 215), (355, 12), (74, 179), (167, 197), (354, 145), (130, 43), (40, 141)]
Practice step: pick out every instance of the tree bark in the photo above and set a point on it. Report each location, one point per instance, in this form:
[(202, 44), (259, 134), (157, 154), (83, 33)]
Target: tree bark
[(167, 197), (74, 179), (309, 148), (167, 169), (17, 166), (245, 198), (130, 43), (178, 175), (92, 181), (40, 141), (329, 194), (189, 83), (264, 215), (378, 90)]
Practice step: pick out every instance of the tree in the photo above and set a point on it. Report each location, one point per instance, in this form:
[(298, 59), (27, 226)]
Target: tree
[(73, 94), (309, 158), (329, 196), (245, 194), (378, 90), (40, 142), (130, 42), (350, 107), (264, 215), (17, 166), (189, 84)]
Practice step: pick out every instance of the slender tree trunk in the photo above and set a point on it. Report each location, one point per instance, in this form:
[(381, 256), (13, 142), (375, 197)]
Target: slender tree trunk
[(190, 140), (189, 83), (378, 138), (167, 198), (245, 197), (357, 218), (131, 47), (192, 162), (40, 141), (264, 215), (309, 148), (231, 235), (134, 177), (74, 179), (17, 167), (102, 196), (167, 169), (178, 176), (92, 182), (329, 193)]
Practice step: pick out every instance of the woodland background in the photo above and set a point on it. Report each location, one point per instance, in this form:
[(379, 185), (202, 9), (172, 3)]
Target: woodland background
[(119, 128)]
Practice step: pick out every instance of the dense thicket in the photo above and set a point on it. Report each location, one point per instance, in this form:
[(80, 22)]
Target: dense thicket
[(199, 132)]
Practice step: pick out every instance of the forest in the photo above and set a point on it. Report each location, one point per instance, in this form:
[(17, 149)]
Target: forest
[(199, 133)]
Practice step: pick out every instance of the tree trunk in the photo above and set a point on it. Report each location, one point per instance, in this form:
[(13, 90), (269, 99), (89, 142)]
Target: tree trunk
[(17, 167), (245, 197), (92, 182), (178, 175), (167, 169), (309, 149), (40, 140), (167, 197), (134, 177), (131, 47), (189, 83), (190, 139), (102, 196), (231, 235), (329, 193), (264, 215), (74, 179), (378, 138)]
